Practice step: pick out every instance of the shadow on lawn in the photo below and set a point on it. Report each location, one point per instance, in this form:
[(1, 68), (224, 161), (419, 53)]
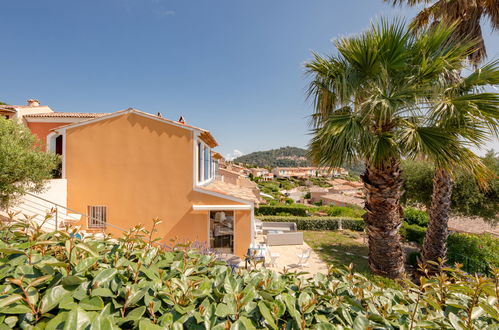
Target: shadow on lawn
[(343, 248)]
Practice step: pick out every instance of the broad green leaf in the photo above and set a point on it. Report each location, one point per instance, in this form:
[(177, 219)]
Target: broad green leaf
[(291, 307), (72, 281), (16, 308), (264, 310), (242, 323), (230, 284), (52, 297), (39, 281), (11, 321), (67, 303), (490, 310), (10, 299), (102, 292), (360, 323), (136, 314), (324, 326), (92, 304), (148, 325), (57, 322), (77, 319), (86, 248), (85, 264), (11, 251), (223, 310), (456, 321), (104, 276), (136, 296)]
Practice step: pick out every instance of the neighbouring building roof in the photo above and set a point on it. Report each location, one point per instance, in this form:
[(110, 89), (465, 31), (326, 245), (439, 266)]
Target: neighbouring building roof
[(343, 187), (6, 109), (344, 199), (338, 182), (318, 189), (225, 188), (66, 115)]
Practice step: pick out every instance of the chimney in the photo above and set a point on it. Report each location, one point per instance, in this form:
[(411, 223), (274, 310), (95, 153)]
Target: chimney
[(33, 103), (181, 120)]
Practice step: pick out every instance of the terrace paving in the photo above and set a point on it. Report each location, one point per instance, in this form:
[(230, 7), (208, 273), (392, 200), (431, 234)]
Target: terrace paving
[(288, 258)]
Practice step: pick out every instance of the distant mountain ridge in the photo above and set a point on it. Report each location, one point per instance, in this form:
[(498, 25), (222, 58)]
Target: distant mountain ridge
[(287, 157), (282, 157)]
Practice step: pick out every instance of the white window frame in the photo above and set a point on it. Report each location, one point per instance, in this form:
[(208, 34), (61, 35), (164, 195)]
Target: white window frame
[(200, 168)]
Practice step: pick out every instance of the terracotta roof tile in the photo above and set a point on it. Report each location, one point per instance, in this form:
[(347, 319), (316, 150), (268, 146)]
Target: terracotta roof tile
[(345, 199), (232, 190), (66, 115), (344, 187)]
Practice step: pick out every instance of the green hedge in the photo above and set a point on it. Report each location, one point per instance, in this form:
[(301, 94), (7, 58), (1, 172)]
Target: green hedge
[(281, 210), (304, 210), (318, 223), (477, 253), (412, 233), (416, 217)]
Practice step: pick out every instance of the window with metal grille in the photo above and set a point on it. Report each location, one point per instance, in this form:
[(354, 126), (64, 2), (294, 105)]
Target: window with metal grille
[(97, 216)]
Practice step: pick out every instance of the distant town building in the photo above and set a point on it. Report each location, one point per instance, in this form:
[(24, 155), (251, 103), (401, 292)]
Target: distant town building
[(262, 173), (307, 172)]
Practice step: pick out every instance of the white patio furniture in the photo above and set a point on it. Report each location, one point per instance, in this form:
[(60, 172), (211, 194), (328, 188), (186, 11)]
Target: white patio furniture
[(258, 227), (303, 257), (274, 238), (273, 258)]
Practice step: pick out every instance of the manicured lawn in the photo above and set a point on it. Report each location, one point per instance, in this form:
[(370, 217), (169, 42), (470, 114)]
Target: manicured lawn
[(344, 248)]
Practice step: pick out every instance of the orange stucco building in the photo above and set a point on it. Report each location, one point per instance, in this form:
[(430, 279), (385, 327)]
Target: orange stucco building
[(129, 167)]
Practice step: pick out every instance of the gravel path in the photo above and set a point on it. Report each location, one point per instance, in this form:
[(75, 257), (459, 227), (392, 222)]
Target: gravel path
[(472, 225)]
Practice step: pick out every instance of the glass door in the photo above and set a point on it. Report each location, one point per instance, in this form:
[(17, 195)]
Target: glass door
[(222, 231)]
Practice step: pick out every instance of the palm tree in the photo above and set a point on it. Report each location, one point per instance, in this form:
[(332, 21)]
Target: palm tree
[(471, 114), (369, 102), (467, 16), (468, 13)]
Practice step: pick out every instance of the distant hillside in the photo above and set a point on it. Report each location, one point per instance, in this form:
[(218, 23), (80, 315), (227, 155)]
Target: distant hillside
[(282, 157), (286, 157)]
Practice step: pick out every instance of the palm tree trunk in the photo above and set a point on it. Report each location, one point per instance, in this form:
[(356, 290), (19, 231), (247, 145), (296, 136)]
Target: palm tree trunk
[(435, 242), (383, 218)]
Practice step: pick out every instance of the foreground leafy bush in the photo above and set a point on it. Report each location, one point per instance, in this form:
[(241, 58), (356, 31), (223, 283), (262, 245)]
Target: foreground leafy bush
[(414, 216), (318, 223), (55, 280), (477, 253)]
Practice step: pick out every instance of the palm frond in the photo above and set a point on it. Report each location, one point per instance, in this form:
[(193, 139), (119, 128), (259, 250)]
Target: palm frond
[(340, 139), (439, 145), (484, 76)]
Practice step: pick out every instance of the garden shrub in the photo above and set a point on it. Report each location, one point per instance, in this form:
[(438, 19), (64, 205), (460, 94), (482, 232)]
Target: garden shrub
[(297, 210), (412, 233), (414, 216), (343, 211), (56, 280), (412, 258), (318, 223), (477, 253)]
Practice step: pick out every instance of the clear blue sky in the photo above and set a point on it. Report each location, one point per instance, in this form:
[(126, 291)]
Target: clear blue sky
[(234, 67)]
